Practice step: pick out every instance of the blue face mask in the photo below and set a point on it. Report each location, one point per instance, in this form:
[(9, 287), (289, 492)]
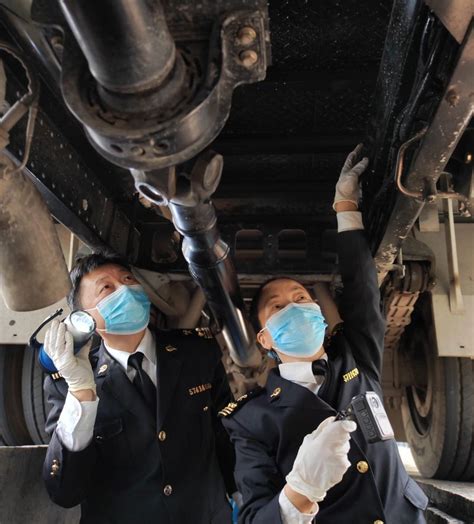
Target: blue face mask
[(297, 330), (125, 311)]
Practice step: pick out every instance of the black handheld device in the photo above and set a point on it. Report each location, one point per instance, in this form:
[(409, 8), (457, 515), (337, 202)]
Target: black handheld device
[(368, 412)]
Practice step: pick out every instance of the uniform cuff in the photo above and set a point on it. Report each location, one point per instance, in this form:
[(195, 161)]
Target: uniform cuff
[(76, 423), (349, 221), (292, 515)]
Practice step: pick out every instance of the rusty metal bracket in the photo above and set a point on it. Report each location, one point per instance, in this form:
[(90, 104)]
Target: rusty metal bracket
[(439, 141), (401, 164), (430, 192)]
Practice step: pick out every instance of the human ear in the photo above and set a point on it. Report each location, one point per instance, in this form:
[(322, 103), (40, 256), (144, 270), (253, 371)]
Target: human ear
[(265, 339)]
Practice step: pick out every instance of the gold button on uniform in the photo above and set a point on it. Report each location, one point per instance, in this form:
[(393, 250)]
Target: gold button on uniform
[(378, 522), (276, 393), (167, 490), (54, 468), (162, 436), (363, 467)]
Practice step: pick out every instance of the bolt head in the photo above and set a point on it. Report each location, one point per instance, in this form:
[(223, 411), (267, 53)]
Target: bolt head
[(246, 35), (137, 151), (213, 172), (248, 58), (452, 97)]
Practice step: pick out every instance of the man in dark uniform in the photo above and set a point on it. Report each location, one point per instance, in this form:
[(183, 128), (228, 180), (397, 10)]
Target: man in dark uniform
[(135, 434), (268, 425)]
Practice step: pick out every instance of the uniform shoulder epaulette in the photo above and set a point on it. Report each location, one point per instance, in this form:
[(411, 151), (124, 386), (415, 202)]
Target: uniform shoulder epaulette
[(203, 332), (56, 376), (232, 407)]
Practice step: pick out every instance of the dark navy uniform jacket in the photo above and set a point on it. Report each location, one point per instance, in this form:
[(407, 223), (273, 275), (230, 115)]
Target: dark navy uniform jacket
[(268, 429), (137, 470)]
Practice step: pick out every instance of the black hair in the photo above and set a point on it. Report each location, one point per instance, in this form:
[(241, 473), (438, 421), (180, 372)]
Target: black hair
[(86, 265), (253, 313)]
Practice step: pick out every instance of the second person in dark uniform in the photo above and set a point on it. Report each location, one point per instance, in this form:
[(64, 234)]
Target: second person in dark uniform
[(311, 383)]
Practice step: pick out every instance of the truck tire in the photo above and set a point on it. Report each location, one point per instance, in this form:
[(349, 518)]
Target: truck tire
[(12, 421), (438, 406), (35, 407)]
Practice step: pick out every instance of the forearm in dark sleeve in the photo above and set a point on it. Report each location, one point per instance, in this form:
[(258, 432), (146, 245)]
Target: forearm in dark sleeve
[(257, 476), (67, 475), (359, 306)]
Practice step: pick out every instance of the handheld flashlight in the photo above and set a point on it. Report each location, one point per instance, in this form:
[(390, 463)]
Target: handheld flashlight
[(79, 323)]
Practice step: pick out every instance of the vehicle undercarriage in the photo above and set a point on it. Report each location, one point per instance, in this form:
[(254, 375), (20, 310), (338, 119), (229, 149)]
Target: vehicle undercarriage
[(212, 165)]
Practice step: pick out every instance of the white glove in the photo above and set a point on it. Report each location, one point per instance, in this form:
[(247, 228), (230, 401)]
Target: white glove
[(322, 459), (347, 187), (75, 369)]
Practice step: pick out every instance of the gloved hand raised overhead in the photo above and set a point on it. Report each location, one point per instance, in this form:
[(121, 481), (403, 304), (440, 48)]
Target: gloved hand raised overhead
[(74, 368), (347, 187), (322, 459)]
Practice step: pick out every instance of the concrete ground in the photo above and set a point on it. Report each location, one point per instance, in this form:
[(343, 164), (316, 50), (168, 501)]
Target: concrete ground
[(23, 498), (450, 502)]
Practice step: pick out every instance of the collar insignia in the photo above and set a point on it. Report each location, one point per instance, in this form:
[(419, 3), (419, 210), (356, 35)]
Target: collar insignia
[(103, 368), (353, 373)]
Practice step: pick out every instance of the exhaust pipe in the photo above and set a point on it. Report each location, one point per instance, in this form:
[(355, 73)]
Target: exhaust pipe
[(208, 256), (211, 267), (33, 272)]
